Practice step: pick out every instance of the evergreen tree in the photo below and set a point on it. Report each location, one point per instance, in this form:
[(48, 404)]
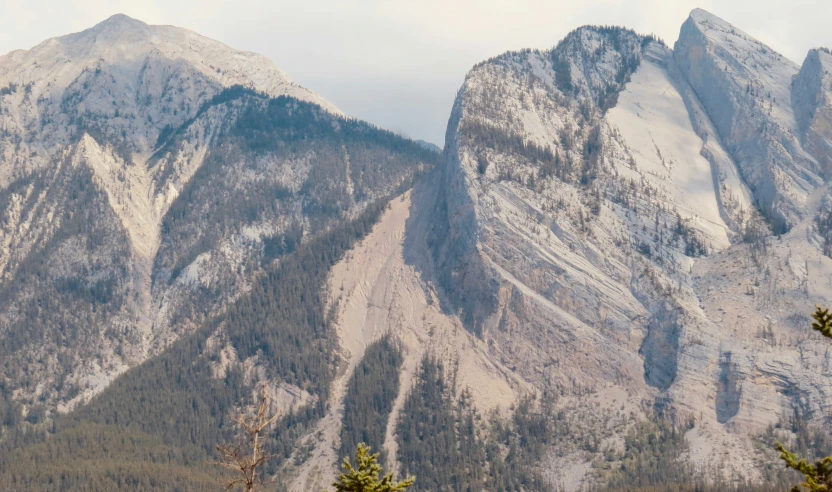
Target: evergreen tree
[(370, 394), (818, 476), (365, 478), (823, 322)]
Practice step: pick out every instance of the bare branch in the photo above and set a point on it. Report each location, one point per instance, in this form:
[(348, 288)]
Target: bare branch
[(234, 457)]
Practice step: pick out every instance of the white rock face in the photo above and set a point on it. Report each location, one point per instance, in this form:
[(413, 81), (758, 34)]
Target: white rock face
[(598, 225), (812, 100), (745, 87)]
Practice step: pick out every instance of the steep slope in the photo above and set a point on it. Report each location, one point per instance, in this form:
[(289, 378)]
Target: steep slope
[(596, 225), (587, 240), (812, 101), (192, 245), (745, 88), (148, 175), (102, 80)]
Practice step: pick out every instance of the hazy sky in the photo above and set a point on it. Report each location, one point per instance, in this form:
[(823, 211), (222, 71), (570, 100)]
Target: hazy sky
[(398, 63)]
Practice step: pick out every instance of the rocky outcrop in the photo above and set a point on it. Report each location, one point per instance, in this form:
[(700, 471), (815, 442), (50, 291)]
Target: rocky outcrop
[(745, 88), (812, 100), (604, 197)]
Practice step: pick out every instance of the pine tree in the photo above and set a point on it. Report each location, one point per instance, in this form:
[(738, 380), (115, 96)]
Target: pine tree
[(823, 322), (819, 475), (365, 477)]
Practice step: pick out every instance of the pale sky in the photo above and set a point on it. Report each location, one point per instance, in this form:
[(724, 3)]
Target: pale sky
[(399, 63)]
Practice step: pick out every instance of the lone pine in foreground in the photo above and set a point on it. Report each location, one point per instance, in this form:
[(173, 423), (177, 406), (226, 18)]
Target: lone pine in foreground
[(365, 478)]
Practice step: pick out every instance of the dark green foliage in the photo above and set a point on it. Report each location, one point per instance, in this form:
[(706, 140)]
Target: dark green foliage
[(283, 316), (652, 452), (809, 440), (219, 199), (563, 72), (104, 457), (442, 440), (176, 398), (718, 486), (437, 438), (282, 244), (173, 400), (823, 322), (10, 410), (805, 439), (515, 448), (694, 244), (549, 163), (482, 164), (623, 44), (593, 153), (370, 394), (488, 136), (53, 301), (818, 476), (9, 89), (366, 475), (652, 38), (164, 135), (653, 462)]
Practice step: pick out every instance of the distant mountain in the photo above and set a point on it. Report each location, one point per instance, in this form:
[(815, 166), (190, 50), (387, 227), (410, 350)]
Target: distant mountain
[(149, 178), (604, 282), (429, 146)]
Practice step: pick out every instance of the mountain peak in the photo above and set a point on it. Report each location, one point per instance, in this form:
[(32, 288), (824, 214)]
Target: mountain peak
[(702, 14), (120, 24), (120, 20), (824, 54), (710, 22)]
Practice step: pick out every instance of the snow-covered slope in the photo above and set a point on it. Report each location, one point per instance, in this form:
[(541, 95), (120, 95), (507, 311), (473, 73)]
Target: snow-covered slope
[(102, 80)]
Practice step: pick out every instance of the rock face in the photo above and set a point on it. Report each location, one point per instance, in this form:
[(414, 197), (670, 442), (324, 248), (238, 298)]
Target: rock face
[(812, 100), (745, 87), (147, 174), (605, 220)]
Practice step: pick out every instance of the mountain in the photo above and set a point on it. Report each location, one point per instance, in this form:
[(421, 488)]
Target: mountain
[(603, 282), (149, 178), (619, 235), (759, 125), (610, 206), (429, 145)]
